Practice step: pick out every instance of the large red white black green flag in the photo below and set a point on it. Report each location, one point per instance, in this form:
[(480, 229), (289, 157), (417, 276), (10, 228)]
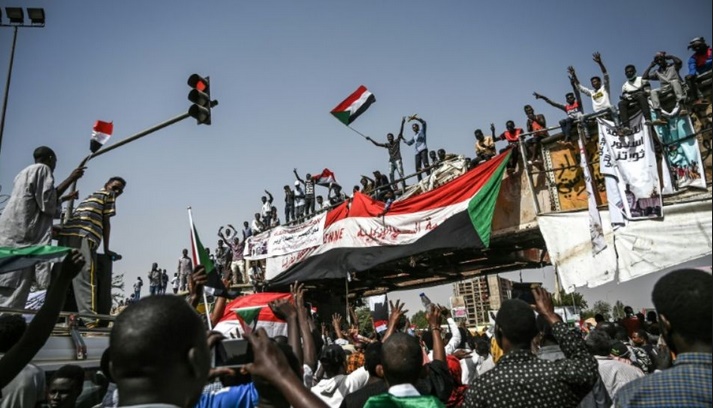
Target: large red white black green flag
[(361, 235)]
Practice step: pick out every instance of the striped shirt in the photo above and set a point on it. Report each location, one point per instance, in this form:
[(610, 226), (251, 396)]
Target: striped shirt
[(87, 221), (686, 384)]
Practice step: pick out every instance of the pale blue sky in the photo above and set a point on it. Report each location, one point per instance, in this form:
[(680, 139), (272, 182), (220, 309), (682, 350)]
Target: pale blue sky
[(278, 68)]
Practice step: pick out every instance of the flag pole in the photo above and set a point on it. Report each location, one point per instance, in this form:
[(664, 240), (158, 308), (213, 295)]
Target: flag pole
[(207, 314), (346, 286), (358, 132), (73, 188), (196, 260)]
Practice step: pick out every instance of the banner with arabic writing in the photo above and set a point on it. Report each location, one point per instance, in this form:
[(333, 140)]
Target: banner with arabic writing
[(285, 240), (630, 160), (568, 175)]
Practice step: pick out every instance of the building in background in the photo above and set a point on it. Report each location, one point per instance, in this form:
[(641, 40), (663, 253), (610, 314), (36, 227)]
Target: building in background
[(481, 295)]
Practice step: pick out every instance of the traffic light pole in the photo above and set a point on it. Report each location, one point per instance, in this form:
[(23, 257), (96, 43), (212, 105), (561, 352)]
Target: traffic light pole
[(70, 206)]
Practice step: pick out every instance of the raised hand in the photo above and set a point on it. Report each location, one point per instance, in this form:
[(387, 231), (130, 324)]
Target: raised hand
[(337, 321), (298, 290), (536, 95), (283, 309), (397, 310), (434, 316), (597, 57), (199, 276), (268, 358), (543, 301)]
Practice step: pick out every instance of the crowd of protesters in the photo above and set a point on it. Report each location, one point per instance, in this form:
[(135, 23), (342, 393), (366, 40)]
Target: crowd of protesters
[(160, 353), (636, 95)]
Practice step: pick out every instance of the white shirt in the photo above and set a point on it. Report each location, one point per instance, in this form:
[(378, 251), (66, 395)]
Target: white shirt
[(600, 97), (266, 209), (633, 86), (616, 374), (333, 390), (453, 342), (404, 390), (26, 389)]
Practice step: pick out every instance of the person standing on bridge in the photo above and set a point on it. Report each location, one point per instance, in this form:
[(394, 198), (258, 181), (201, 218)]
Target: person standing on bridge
[(394, 148), (27, 218), (88, 227), (419, 140)]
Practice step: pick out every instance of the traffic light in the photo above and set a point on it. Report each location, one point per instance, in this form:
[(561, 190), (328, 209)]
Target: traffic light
[(200, 96)]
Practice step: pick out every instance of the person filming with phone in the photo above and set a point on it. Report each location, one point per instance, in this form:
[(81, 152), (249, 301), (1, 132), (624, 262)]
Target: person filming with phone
[(520, 378)]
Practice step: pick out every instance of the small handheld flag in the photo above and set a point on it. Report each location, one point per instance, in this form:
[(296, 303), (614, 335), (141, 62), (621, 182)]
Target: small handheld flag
[(355, 104), (201, 257), (326, 178), (101, 132), (379, 308)]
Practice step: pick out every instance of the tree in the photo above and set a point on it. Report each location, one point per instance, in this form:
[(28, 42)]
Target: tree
[(364, 316), (567, 298), (602, 308), (419, 319), (618, 310), (117, 288)]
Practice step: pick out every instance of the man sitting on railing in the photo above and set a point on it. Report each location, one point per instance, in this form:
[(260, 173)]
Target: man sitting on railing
[(635, 89), (367, 185), (442, 156), (484, 147), (257, 226), (537, 125), (668, 75), (336, 196), (381, 185), (512, 136)]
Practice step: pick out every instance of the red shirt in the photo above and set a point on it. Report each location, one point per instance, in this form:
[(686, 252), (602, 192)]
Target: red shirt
[(511, 137)]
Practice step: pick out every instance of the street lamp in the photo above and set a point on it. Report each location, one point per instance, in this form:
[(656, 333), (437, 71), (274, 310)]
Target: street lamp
[(16, 18)]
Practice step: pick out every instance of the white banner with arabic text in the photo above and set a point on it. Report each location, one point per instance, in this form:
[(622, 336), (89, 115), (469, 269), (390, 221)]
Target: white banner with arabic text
[(285, 240), (632, 162)]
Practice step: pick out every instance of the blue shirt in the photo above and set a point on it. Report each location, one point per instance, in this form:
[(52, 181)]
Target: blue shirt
[(686, 384), (419, 138), (238, 396)]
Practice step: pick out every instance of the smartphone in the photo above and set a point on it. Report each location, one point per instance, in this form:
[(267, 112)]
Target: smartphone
[(233, 353), (523, 291)]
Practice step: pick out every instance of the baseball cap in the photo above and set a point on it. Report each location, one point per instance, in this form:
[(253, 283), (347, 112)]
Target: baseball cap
[(619, 349), (696, 41), (297, 183)]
